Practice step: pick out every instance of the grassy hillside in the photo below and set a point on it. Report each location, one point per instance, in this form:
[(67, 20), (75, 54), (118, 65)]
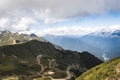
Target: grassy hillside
[(107, 71), (34, 59)]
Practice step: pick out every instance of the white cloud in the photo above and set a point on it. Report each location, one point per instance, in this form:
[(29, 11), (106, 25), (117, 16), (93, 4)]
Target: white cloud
[(16, 24), (3, 22), (46, 16), (28, 32), (77, 30), (51, 11), (23, 24), (114, 27), (105, 58), (73, 30)]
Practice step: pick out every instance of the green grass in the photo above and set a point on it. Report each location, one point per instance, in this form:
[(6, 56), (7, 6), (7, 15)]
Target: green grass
[(46, 78), (59, 74), (102, 72)]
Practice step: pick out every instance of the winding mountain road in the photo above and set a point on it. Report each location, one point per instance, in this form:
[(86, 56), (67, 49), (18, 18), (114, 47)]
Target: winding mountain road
[(66, 78), (42, 69)]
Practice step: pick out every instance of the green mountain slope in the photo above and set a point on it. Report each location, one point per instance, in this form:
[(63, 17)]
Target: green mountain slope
[(34, 59), (9, 38), (107, 71)]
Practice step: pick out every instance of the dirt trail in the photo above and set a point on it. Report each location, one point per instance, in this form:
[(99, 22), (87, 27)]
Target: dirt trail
[(39, 63), (42, 69), (67, 77), (118, 68)]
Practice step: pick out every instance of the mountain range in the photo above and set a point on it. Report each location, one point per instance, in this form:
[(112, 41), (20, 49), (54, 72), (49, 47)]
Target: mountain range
[(9, 38), (28, 57), (103, 44)]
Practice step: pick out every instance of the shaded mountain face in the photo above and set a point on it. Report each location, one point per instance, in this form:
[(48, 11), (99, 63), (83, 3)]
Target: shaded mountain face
[(35, 59), (74, 43), (104, 45), (107, 71)]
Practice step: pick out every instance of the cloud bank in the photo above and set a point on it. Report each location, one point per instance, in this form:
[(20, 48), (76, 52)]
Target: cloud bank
[(75, 30), (13, 12), (68, 31)]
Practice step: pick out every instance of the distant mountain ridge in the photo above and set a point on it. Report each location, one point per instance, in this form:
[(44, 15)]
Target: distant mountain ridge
[(107, 42), (104, 44)]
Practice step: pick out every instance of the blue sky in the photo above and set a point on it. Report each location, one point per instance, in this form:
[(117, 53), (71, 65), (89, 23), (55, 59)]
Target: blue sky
[(59, 17), (107, 19), (93, 21)]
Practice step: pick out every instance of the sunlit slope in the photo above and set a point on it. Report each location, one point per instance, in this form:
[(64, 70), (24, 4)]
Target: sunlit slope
[(107, 71)]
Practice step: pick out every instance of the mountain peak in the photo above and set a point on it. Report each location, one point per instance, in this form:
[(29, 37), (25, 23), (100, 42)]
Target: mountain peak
[(8, 38), (33, 35), (5, 32)]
